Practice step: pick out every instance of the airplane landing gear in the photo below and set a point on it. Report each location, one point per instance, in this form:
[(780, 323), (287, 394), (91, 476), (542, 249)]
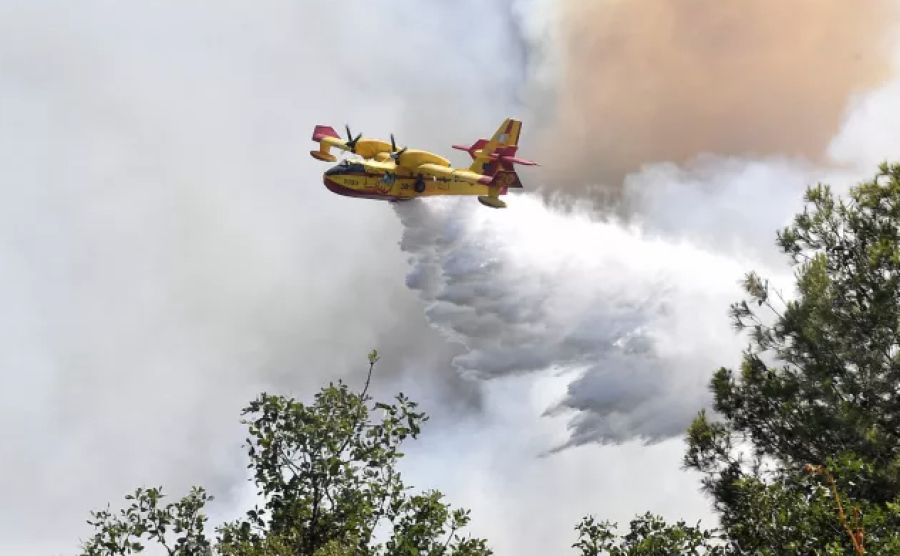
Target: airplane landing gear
[(420, 184)]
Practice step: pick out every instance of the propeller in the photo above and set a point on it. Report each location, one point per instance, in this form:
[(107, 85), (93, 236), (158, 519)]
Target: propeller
[(351, 141), (395, 154)]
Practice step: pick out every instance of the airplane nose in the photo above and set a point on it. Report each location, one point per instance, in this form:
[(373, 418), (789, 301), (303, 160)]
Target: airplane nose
[(330, 184)]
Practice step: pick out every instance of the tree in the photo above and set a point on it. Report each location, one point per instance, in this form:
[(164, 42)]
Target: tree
[(819, 382), (649, 535), (803, 455), (177, 527), (328, 475)]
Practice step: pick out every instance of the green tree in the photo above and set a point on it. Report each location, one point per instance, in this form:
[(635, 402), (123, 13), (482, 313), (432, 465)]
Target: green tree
[(818, 384), (648, 535), (803, 452), (327, 473), (178, 527)]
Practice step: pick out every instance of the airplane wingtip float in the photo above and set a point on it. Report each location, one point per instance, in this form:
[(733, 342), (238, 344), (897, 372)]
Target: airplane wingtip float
[(384, 172)]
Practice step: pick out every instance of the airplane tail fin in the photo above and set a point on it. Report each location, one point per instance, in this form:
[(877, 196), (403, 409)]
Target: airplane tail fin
[(495, 157), (320, 135)]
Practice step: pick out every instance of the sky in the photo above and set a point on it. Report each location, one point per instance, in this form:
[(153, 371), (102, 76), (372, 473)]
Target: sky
[(167, 250)]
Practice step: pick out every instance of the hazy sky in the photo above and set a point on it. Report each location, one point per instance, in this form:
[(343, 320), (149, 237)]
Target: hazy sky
[(167, 251)]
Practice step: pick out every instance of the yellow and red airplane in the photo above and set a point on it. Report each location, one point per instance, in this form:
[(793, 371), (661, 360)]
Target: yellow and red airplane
[(384, 172)]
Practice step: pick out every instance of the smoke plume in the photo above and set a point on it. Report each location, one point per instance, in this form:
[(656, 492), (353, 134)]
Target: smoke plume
[(645, 81), (532, 290)]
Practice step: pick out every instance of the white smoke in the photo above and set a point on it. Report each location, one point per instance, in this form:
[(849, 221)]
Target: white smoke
[(641, 319)]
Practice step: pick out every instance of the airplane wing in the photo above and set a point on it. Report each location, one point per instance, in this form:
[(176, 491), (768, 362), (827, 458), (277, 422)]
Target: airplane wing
[(380, 166), (454, 174)]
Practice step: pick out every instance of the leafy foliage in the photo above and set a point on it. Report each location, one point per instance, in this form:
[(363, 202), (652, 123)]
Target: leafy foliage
[(818, 384), (178, 527), (834, 389), (649, 535), (327, 473)]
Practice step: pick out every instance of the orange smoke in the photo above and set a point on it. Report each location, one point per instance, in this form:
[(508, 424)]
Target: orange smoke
[(664, 80)]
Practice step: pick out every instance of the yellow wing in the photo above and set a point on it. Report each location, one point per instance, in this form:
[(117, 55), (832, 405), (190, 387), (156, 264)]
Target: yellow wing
[(380, 166)]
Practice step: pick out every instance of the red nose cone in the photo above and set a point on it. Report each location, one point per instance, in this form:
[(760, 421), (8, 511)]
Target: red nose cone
[(331, 185)]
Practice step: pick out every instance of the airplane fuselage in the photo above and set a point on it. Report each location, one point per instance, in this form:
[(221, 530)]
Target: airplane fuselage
[(354, 179)]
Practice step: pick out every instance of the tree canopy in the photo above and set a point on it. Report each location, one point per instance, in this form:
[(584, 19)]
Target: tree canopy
[(800, 454), (816, 395), (327, 472)]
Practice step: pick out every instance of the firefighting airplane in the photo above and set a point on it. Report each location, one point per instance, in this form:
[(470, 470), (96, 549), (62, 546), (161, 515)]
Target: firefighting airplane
[(384, 172)]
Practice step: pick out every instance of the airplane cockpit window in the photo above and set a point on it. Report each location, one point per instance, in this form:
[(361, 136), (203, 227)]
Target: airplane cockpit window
[(346, 167)]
